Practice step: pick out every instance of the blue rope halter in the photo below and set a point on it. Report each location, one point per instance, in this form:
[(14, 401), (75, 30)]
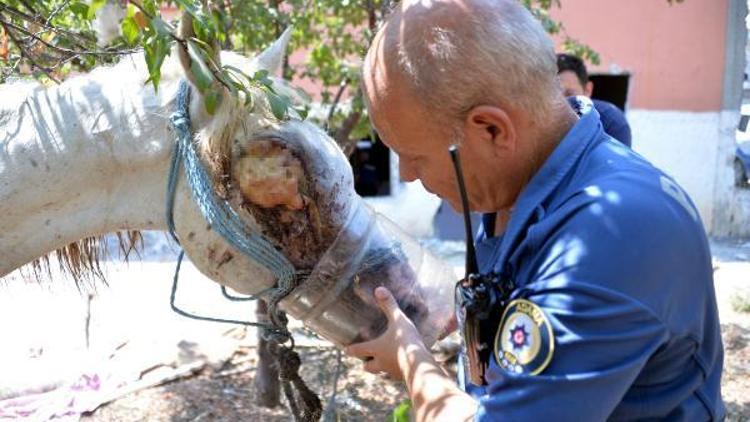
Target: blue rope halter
[(222, 218)]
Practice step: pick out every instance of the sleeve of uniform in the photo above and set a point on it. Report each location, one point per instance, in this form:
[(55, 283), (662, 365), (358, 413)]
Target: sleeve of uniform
[(614, 122), (621, 132), (586, 280)]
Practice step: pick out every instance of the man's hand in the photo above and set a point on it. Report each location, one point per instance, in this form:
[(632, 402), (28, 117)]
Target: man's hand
[(401, 354), (389, 352)]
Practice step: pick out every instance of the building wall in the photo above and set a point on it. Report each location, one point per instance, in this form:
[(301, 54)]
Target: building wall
[(675, 54), (682, 60), (683, 145)]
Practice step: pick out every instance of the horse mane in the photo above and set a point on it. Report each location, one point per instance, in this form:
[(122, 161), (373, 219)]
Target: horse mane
[(82, 260)]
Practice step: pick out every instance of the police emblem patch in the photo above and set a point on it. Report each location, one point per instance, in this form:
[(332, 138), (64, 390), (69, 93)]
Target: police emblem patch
[(524, 342)]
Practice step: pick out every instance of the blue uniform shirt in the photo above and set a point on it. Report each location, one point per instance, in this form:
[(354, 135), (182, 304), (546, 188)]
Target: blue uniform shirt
[(614, 254), (613, 121), (612, 118)]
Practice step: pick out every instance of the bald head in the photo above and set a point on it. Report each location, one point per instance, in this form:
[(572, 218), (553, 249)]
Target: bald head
[(479, 73), (455, 54)]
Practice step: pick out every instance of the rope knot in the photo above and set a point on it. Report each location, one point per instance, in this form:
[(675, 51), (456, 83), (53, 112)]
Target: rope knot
[(179, 119), (309, 407), (289, 363), (277, 335)]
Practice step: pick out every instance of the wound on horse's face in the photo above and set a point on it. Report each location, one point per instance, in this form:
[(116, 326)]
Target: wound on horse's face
[(269, 175)]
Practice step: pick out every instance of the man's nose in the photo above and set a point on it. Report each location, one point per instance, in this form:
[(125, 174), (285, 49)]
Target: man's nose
[(408, 174)]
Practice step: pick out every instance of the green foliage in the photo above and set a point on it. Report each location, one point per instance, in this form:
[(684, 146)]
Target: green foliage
[(540, 9), (402, 412), (93, 7), (741, 301), (156, 47), (50, 38)]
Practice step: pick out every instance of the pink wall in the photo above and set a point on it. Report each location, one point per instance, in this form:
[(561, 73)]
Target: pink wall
[(674, 53)]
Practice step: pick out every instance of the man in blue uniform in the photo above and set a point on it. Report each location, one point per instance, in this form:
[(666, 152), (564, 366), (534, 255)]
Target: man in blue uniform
[(574, 78), (612, 313)]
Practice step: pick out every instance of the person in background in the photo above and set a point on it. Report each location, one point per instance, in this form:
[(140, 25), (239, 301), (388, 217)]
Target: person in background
[(575, 82)]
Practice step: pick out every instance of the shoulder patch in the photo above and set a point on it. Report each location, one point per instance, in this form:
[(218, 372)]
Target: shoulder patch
[(524, 342)]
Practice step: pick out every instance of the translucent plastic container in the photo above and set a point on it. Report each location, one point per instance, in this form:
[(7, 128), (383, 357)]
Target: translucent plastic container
[(337, 301)]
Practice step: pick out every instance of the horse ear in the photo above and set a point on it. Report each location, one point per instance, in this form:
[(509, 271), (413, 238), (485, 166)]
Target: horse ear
[(272, 58), (186, 32)]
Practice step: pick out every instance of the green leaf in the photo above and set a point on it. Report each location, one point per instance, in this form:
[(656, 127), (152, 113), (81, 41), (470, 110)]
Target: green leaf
[(279, 105), (150, 7), (217, 21), (189, 6), (129, 30), (212, 100), (236, 73), (156, 49), (160, 27), (154, 78), (401, 412), (261, 77), (149, 57), (224, 77), (203, 76), (234, 69), (203, 24), (260, 74), (130, 11), (93, 7), (248, 98), (81, 10), (302, 111)]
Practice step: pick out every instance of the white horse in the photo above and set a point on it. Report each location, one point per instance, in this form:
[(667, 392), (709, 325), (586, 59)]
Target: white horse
[(91, 156)]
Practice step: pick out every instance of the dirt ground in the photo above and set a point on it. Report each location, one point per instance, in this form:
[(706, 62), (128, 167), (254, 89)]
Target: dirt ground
[(736, 378), (228, 394), (222, 389), (732, 281)]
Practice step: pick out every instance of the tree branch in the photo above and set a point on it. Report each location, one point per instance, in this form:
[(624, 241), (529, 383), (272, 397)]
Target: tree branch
[(171, 28), (57, 11), (23, 53), (63, 49), (336, 99), (35, 19), (342, 134), (372, 19), (28, 6)]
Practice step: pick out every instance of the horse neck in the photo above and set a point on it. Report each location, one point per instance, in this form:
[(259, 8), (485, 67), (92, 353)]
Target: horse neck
[(82, 159)]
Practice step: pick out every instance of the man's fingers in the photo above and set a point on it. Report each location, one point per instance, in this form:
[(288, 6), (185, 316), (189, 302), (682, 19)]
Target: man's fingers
[(387, 303)]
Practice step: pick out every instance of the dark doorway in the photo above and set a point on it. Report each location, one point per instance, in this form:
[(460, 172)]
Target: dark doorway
[(371, 162), (611, 88)]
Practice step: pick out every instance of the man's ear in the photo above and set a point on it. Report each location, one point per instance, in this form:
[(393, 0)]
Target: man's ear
[(490, 125), (589, 89)]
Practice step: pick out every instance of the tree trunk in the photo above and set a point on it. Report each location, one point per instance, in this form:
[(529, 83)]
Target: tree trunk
[(341, 135), (267, 384)]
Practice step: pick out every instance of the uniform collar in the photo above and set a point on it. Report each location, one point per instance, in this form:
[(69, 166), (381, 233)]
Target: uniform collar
[(544, 183)]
